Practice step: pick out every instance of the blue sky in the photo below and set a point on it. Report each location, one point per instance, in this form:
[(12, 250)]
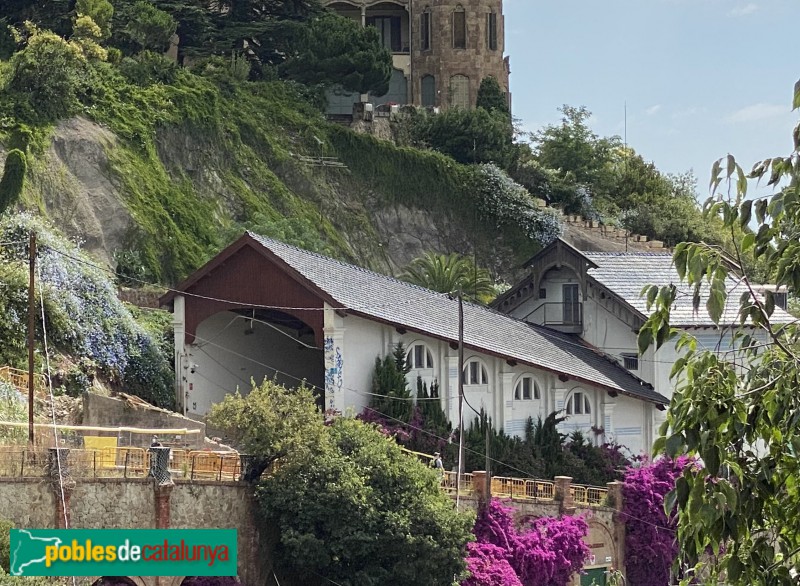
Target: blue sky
[(702, 78)]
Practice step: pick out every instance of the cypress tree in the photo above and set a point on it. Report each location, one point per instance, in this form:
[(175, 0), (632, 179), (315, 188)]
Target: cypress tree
[(13, 179)]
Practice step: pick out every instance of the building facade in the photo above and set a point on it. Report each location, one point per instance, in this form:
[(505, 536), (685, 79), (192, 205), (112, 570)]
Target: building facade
[(265, 309), (597, 298), (441, 49)]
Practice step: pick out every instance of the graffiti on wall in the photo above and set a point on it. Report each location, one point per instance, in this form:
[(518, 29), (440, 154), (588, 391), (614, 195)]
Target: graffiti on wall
[(334, 362)]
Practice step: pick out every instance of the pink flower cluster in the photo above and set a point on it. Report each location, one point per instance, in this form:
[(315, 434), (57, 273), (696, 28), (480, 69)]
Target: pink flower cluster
[(546, 552), (650, 543)]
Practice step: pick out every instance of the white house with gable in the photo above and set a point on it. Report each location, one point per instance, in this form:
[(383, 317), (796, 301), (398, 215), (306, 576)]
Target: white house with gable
[(262, 308), (596, 297)]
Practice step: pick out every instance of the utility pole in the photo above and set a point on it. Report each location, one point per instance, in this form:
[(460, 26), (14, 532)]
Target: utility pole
[(488, 463), (460, 398), (31, 327)]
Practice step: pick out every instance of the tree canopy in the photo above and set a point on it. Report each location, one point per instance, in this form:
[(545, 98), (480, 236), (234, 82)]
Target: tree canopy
[(738, 410), (350, 506), (449, 273), (334, 50)]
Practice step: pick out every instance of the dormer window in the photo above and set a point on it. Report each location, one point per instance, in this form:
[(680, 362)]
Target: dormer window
[(419, 357), (475, 373), (630, 361)]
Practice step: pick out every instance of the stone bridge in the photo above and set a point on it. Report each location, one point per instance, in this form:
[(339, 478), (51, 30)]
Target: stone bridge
[(32, 498), (140, 503)]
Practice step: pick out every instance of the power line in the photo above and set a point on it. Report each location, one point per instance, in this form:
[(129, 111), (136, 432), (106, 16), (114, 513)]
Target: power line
[(543, 331)]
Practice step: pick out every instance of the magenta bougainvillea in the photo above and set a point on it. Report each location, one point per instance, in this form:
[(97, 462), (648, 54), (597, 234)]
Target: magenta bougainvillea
[(546, 552), (650, 544)]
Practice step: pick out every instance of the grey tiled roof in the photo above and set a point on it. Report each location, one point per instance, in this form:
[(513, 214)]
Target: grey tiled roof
[(627, 273), (417, 309)]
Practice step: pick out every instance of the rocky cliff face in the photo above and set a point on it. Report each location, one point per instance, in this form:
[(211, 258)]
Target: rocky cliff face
[(85, 184), (79, 184), (74, 185)]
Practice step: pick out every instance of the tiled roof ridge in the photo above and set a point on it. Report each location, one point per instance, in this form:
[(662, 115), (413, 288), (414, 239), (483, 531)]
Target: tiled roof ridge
[(590, 253)]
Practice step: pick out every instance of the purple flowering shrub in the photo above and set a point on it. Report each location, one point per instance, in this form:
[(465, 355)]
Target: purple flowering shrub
[(650, 543), (546, 552), (83, 314)]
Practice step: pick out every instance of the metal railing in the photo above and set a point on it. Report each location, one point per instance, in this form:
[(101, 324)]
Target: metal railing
[(557, 313), (449, 483), (591, 496), (19, 379), (523, 489), (120, 462)]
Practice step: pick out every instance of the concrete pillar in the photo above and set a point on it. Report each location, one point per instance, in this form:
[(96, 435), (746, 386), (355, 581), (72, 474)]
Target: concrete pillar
[(617, 501), (334, 363), (62, 516), (162, 494), (181, 359), (479, 486), (564, 494), (61, 484)]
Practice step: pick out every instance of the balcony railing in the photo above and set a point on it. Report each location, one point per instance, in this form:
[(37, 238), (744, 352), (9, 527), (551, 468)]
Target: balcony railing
[(563, 316)]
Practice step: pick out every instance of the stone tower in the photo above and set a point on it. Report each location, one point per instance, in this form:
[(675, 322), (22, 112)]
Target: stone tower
[(455, 44), (441, 49)]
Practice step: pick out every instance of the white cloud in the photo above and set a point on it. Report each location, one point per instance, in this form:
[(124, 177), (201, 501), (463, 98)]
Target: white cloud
[(653, 109), (688, 112), (756, 112), (743, 10)]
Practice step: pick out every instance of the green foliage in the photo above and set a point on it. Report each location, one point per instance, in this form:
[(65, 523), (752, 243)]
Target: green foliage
[(737, 410), (150, 28), (45, 77), (349, 504), (391, 395), (573, 149), (451, 273), (468, 136), (83, 314), (271, 421), (87, 34), (13, 179), (5, 545), (335, 50), (359, 511), (100, 11), (491, 97), (14, 408), (147, 68)]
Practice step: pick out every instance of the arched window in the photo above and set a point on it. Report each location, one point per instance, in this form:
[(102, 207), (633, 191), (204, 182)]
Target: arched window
[(578, 404), (527, 389), (419, 357), (491, 31), (459, 28), (428, 91), (425, 29), (475, 373), (459, 91)]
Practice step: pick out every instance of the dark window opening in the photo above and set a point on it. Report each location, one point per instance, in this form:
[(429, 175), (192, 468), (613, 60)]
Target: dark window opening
[(491, 31), (459, 29)]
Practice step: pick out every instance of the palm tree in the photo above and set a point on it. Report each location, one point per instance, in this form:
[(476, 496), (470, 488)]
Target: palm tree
[(448, 273)]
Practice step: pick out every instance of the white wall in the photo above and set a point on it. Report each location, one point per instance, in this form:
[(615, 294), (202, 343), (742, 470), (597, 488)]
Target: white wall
[(225, 359)]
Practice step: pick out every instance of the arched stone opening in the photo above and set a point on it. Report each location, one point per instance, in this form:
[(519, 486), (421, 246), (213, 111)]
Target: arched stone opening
[(118, 581), (210, 581), (233, 349)]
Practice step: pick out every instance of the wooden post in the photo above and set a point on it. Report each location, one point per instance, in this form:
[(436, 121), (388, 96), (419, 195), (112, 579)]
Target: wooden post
[(31, 328)]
